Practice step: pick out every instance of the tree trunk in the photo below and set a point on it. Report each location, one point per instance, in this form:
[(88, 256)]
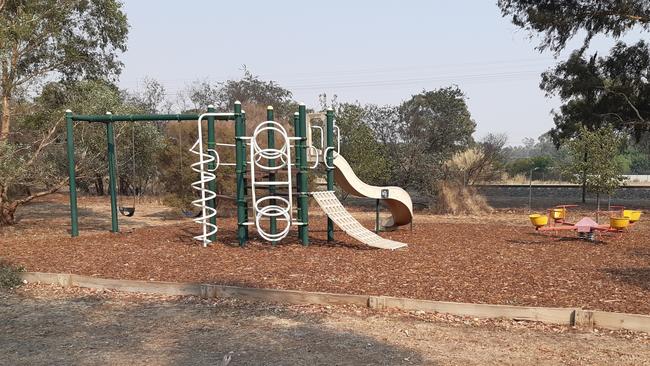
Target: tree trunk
[(99, 185), (6, 114), (7, 213)]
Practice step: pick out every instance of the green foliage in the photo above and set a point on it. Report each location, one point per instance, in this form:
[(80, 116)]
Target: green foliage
[(540, 164), (11, 163), (9, 275), (560, 21), (434, 125), (249, 90), (75, 38), (639, 163), (173, 164), (41, 41), (637, 156), (66, 39), (599, 91), (543, 146), (594, 159), (358, 145), (438, 121)]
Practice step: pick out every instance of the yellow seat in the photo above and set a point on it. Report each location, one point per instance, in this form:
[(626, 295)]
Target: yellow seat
[(619, 223), (633, 215), (558, 213), (538, 220)]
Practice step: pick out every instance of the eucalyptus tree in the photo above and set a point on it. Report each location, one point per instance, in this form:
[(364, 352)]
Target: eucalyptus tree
[(60, 39), (560, 21), (599, 91)]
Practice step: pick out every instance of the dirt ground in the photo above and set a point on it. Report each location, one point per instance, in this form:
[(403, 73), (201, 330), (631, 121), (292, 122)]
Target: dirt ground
[(495, 259), (45, 325)]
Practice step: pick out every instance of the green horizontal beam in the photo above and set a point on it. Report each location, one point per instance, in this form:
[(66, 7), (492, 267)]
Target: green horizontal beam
[(147, 117)]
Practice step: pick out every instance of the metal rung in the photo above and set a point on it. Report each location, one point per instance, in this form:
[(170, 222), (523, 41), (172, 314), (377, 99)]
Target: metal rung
[(271, 183)]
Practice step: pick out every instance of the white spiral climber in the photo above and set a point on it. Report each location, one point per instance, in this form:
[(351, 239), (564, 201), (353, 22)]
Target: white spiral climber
[(206, 175), (263, 206)]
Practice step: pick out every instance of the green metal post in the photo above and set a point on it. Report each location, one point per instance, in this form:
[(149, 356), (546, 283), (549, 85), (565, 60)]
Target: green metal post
[(240, 169), (296, 132), (377, 216), (110, 136), (72, 179), (329, 159), (212, 185), (303, 178), (245, 163), (273, 226)]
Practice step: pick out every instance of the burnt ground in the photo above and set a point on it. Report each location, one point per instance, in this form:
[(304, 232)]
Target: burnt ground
[(45, 325), (495, 259)]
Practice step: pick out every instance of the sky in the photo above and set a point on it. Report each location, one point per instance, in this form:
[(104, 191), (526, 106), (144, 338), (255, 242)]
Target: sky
[(379, 52)]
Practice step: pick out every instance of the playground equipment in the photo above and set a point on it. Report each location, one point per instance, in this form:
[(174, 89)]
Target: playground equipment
[(267, 171), (620, 219), (129, 211)]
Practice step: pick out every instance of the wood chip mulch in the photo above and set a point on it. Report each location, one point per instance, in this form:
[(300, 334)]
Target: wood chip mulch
[(464, 262)]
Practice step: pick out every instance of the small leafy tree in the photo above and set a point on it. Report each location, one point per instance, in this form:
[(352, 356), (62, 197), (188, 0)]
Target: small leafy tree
[(592, 160)]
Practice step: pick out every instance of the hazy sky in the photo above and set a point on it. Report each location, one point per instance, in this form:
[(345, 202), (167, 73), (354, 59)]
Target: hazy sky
[(378, 52)]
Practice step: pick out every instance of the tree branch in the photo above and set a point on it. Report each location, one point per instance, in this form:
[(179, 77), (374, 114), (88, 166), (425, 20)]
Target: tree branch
[(629, 102), (40, 194), (43, 144)]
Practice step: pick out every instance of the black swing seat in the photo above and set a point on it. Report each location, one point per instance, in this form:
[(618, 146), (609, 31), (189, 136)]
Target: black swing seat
[(127, 211)]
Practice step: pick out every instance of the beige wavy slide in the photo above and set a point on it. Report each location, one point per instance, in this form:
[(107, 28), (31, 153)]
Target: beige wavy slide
[(398, 200)]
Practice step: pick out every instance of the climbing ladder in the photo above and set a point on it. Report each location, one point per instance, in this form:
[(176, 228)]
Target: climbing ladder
[(342, 218), (271, 206)]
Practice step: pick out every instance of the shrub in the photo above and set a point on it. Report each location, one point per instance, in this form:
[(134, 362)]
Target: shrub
[(9, 275)]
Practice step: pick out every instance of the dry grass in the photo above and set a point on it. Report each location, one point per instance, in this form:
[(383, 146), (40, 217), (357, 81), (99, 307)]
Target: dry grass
[(457, 199)]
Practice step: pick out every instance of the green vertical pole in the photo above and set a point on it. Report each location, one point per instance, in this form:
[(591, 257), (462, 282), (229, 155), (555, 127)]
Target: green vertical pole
[(303, 179), (329, 131), (72, 179), (212, 185), (240, 152), (273, 226), (245, 163), (377, 216), (110, 136), (296, 132)]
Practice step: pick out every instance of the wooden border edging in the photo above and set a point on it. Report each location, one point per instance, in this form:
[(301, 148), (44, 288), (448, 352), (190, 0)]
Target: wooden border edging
[(564, 316)]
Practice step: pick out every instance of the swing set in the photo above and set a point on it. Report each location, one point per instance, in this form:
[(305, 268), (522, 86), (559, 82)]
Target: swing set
[(128, 211), (109, 119)]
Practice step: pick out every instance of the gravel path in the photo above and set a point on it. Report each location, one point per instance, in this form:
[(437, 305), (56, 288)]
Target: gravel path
[(45, 325)]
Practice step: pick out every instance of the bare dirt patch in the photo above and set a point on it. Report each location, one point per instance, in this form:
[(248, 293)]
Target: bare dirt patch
[(43, 325)]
